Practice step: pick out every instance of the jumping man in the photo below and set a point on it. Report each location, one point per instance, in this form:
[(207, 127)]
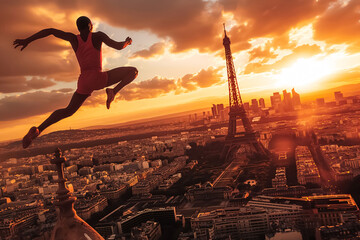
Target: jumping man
[(87, 47)]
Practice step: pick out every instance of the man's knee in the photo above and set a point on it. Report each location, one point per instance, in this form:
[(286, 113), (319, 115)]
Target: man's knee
[(134, 71)]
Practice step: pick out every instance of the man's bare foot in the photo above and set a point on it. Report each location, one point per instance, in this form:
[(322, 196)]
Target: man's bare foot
[(31, 135), (110, 96)]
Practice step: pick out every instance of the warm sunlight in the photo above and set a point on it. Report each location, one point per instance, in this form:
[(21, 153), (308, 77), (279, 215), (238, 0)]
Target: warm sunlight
[(179, 57), (208, 119), (304, 72)]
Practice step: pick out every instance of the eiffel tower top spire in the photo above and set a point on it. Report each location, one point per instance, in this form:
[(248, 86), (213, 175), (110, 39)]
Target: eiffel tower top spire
[(234, 92), (226, 40)]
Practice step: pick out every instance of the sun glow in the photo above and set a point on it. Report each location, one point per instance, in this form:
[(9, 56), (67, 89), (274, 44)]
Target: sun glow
[(49, 13), (305, 73)]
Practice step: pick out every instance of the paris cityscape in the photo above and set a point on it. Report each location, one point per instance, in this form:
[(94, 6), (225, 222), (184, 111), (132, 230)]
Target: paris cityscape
[(278, 164), (170, 180)]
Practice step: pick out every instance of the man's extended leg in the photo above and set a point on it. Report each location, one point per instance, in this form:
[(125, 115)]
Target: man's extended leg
[(123, 76), (76, 101)]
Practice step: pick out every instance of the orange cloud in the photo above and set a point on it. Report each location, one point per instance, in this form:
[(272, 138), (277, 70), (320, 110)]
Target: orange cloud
[(20, 84), (185, 23), (160, 86), (205, 78), (192, 24), (41, 59), (155, 49), (189, 24), (262, 53), (148, 89), (303, 51), (340, 25), (31, 104), (258, 18)]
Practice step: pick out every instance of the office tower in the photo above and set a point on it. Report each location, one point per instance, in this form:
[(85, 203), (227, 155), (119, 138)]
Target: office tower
[(338, 96), (295, 98), (254, 104), (262, 103), (220, 107), (214, 110), (275, 100), (287, 101)]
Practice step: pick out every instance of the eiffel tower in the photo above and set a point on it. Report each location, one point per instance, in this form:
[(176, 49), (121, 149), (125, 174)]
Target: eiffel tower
[(234, 140)]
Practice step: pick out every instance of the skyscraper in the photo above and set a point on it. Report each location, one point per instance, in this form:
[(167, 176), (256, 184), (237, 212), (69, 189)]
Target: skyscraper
[(254, 104), (338, 96), (214, 111), (262, 103), (295, 98), (287, 102), (275, 100), (220, 107)]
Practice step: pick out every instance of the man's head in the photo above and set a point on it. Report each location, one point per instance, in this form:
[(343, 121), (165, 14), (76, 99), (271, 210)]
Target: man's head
[(84, 24)]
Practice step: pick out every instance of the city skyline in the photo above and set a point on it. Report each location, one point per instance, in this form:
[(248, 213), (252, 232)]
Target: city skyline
[(183, 67), (171, 178), (267, 101)]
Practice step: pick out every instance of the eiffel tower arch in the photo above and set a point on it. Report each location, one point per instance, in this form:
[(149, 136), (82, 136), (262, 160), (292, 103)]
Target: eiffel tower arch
[(234, 140)]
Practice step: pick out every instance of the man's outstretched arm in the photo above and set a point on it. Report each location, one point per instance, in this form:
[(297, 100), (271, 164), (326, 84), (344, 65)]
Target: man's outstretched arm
[(114, 44), (70, 37)]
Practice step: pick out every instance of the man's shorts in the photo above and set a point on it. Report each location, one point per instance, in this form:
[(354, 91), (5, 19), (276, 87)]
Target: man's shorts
[(91, 80)]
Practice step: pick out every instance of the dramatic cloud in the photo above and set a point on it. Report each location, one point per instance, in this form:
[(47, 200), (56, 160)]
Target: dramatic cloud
[(31, 104), (203, 79), (51, 58), (189, 24), (194, 24), (155, 49), (160, 86), (65, 90), (340, 24), (185, 23), (148, 89), (258, 18), (20, 84), (303, 51), (262, 53)]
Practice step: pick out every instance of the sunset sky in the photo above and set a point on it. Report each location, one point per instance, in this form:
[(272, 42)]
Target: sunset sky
[(177, 48)]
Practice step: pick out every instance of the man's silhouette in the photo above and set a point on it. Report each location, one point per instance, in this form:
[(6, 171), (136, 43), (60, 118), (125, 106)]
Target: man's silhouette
[(87, 47)]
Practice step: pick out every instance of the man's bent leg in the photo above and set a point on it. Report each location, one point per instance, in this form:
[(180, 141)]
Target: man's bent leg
[(123, 76), (75, 103)]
